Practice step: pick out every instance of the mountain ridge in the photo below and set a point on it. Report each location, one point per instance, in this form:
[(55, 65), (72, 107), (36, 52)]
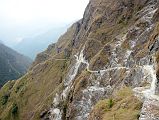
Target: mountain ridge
[(13, 65), (34, 45)]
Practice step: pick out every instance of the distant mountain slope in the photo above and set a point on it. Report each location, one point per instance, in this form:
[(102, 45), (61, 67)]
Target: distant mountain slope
[(34, 45), (12, 64)]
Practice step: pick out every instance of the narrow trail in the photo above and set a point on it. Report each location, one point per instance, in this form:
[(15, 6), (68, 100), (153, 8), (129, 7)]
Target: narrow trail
[(60, 59), (147, 93), (151, 100), (149, 70), (82, 60), (51, 58), (56, 113)]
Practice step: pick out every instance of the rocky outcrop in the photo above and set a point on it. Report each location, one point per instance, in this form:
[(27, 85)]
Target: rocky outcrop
[(129, 56)]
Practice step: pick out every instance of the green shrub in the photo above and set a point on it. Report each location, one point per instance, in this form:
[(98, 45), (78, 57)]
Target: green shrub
[(4, 99), (138, 115), (14, 109), (110, 103), (19, 87)]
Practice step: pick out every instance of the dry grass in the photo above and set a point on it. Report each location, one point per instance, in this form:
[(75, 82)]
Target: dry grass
[(34, 92), (125, 107)]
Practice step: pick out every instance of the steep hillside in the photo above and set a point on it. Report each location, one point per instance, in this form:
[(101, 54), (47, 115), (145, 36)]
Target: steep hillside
[(12, 64), (105, 67)]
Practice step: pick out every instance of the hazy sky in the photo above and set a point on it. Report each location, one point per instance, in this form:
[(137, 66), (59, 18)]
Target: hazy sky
[(19, 18)]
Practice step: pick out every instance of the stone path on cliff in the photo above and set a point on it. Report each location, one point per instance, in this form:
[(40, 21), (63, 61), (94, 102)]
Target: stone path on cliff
[(149, 94), (57, 113), (52, 57), (151, 100)]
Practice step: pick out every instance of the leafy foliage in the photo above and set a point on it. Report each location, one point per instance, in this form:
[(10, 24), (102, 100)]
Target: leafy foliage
[(4, 99), (110, 103), (14, 109)]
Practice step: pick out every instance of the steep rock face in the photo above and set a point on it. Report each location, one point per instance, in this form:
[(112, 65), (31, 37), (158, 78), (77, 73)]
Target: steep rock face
[(104, 67), (117, 48), (12, 64)]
